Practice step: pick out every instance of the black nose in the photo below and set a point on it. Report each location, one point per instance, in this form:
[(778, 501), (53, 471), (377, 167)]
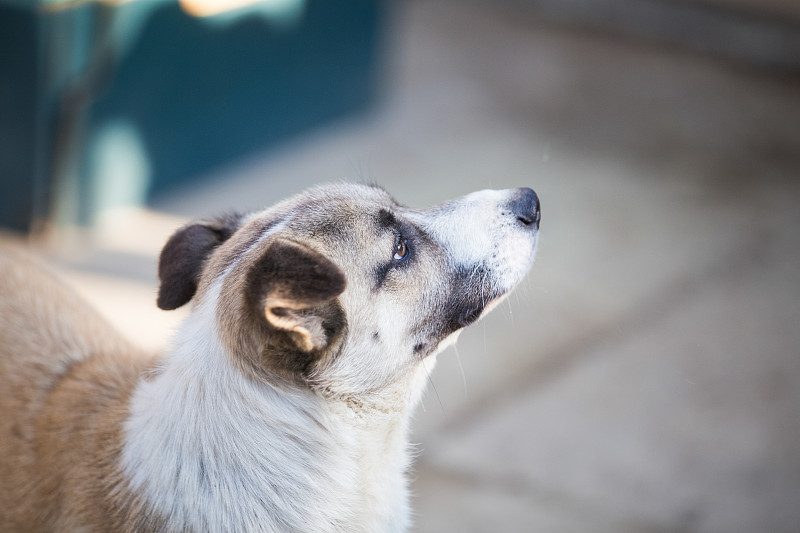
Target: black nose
[(525, 206)]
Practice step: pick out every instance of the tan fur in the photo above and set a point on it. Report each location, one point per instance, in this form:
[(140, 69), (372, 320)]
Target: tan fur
[(63, 371)]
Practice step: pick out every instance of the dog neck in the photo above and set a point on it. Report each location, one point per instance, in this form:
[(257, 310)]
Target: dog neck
[(212, 449)]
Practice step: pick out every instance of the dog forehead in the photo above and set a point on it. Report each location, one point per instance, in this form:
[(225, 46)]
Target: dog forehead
[(339, 211), (326, 218)]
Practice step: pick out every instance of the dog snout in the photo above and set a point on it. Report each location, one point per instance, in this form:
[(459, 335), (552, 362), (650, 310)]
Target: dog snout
[(525, 206)]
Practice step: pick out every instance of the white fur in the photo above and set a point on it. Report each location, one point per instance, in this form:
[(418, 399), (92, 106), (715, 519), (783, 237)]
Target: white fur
[(273, 460)]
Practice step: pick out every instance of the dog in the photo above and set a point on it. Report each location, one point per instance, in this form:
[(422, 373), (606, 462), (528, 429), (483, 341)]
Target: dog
[(284, 402)]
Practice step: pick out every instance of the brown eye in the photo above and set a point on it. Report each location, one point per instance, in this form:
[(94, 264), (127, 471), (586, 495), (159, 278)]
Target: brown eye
[(400, 250)]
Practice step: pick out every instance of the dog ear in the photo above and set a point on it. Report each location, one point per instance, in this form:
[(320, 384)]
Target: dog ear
[(181, 262), (294, 287)]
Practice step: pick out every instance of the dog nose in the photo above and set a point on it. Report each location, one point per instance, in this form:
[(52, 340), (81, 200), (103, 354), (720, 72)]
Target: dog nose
[(525, 206)]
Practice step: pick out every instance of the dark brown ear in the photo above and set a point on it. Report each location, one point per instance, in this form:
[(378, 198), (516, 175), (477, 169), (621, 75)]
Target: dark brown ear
[(182, 258), (292, 286)]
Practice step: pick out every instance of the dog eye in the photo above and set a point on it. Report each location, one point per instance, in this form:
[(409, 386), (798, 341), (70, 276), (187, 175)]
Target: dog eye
[(400, 250)]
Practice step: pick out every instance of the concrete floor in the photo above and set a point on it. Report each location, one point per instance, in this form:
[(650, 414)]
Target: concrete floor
[(646, 376)]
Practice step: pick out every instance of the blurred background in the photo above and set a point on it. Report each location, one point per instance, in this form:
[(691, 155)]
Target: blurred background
[(645, 377)]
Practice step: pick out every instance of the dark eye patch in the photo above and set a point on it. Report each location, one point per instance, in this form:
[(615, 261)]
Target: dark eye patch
[(393, 262), (400, 254)]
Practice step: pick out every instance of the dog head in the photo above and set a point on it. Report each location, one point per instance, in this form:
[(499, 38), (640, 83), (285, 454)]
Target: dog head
[(342, 289)]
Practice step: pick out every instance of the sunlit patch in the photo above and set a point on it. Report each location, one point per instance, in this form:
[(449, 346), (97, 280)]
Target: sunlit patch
[(273, 9)]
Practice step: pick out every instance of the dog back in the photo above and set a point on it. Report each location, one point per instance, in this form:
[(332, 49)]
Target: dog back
[(49, 333)]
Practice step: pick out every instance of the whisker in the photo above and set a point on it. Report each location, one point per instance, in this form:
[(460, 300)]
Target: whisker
[(461, 369), (435, 391)]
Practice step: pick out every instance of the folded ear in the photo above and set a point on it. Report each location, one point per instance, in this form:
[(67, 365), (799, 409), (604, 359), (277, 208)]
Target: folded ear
[(294, 288), (181, 262)]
